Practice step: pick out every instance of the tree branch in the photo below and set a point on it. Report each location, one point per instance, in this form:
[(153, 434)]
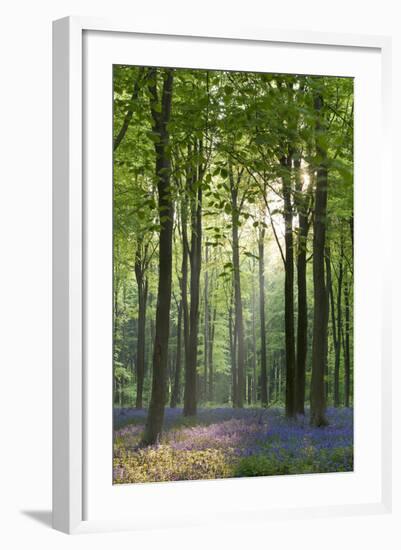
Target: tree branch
[(128, 116)]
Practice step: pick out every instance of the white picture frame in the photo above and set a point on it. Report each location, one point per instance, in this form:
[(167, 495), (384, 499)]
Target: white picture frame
[(70, 256)]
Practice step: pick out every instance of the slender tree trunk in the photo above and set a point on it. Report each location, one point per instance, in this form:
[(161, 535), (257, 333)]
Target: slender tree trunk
[(239, 322), (206, 323), (184, 279), (175, 395), (195, 257), (233, 345), (253, 340), (116, 315), (151, 343), (115, 309), (320, 314), (347, 356), (289, 290), (211, 345), (339, 330), (154, 422), (302, 331), (331, 303), (326, 353), (280, 375), (142, 285), (140, 362), (264, 397), (351, 227)]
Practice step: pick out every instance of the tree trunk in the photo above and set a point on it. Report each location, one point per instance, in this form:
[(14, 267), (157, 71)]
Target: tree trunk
[(302, 330), (253, 338), (211, 344), (206, 324), (339, 330), (142, 284), (320, 313), (326, 353), (263, 364), (154, 422), (351, 226), (115, 310), (195, 258), (232, 335), (151, 343), (289, 290), (331, 303), (175, 395), (239, 322), (184, 278), (280, 374), (347, 356)]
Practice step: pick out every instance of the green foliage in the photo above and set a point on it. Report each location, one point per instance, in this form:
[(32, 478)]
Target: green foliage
[(338, 460), (260, 465), (228, 134)]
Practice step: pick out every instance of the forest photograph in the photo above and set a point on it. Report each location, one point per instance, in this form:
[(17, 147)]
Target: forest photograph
[(232, 274)]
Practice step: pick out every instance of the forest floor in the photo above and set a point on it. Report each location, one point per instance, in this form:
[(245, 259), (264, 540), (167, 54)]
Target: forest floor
[(226, 442)]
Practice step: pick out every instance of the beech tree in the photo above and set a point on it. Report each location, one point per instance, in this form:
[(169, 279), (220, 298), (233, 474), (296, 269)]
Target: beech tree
[(161, 111), (320, 312)]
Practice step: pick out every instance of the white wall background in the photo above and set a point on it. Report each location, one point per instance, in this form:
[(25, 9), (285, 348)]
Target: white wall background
[(25, 269)]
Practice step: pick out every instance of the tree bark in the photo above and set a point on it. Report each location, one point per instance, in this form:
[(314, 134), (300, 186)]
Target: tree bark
[(347, 355), (211, 345), (281, 364), (151, 342), (351, 226), (233, 345), (326, 353), (253, 338), (339, 330), (239, 322), (184, 278), (320, 313), (142, 285), (206, 324), (195, 258), (302, 329), (175, 395), (264, 397), (116, 312), (154, 422), (289, 289), (331, 304)]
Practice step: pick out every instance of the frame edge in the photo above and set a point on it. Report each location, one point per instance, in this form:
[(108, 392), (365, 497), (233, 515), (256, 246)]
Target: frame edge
[(67, 275)]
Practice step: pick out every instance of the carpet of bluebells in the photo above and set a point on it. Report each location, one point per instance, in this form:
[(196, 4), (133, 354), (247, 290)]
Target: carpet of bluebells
[(224, 442)]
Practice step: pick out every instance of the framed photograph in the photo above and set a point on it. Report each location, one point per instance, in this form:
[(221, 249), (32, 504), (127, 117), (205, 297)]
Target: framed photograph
[(221, 307)]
